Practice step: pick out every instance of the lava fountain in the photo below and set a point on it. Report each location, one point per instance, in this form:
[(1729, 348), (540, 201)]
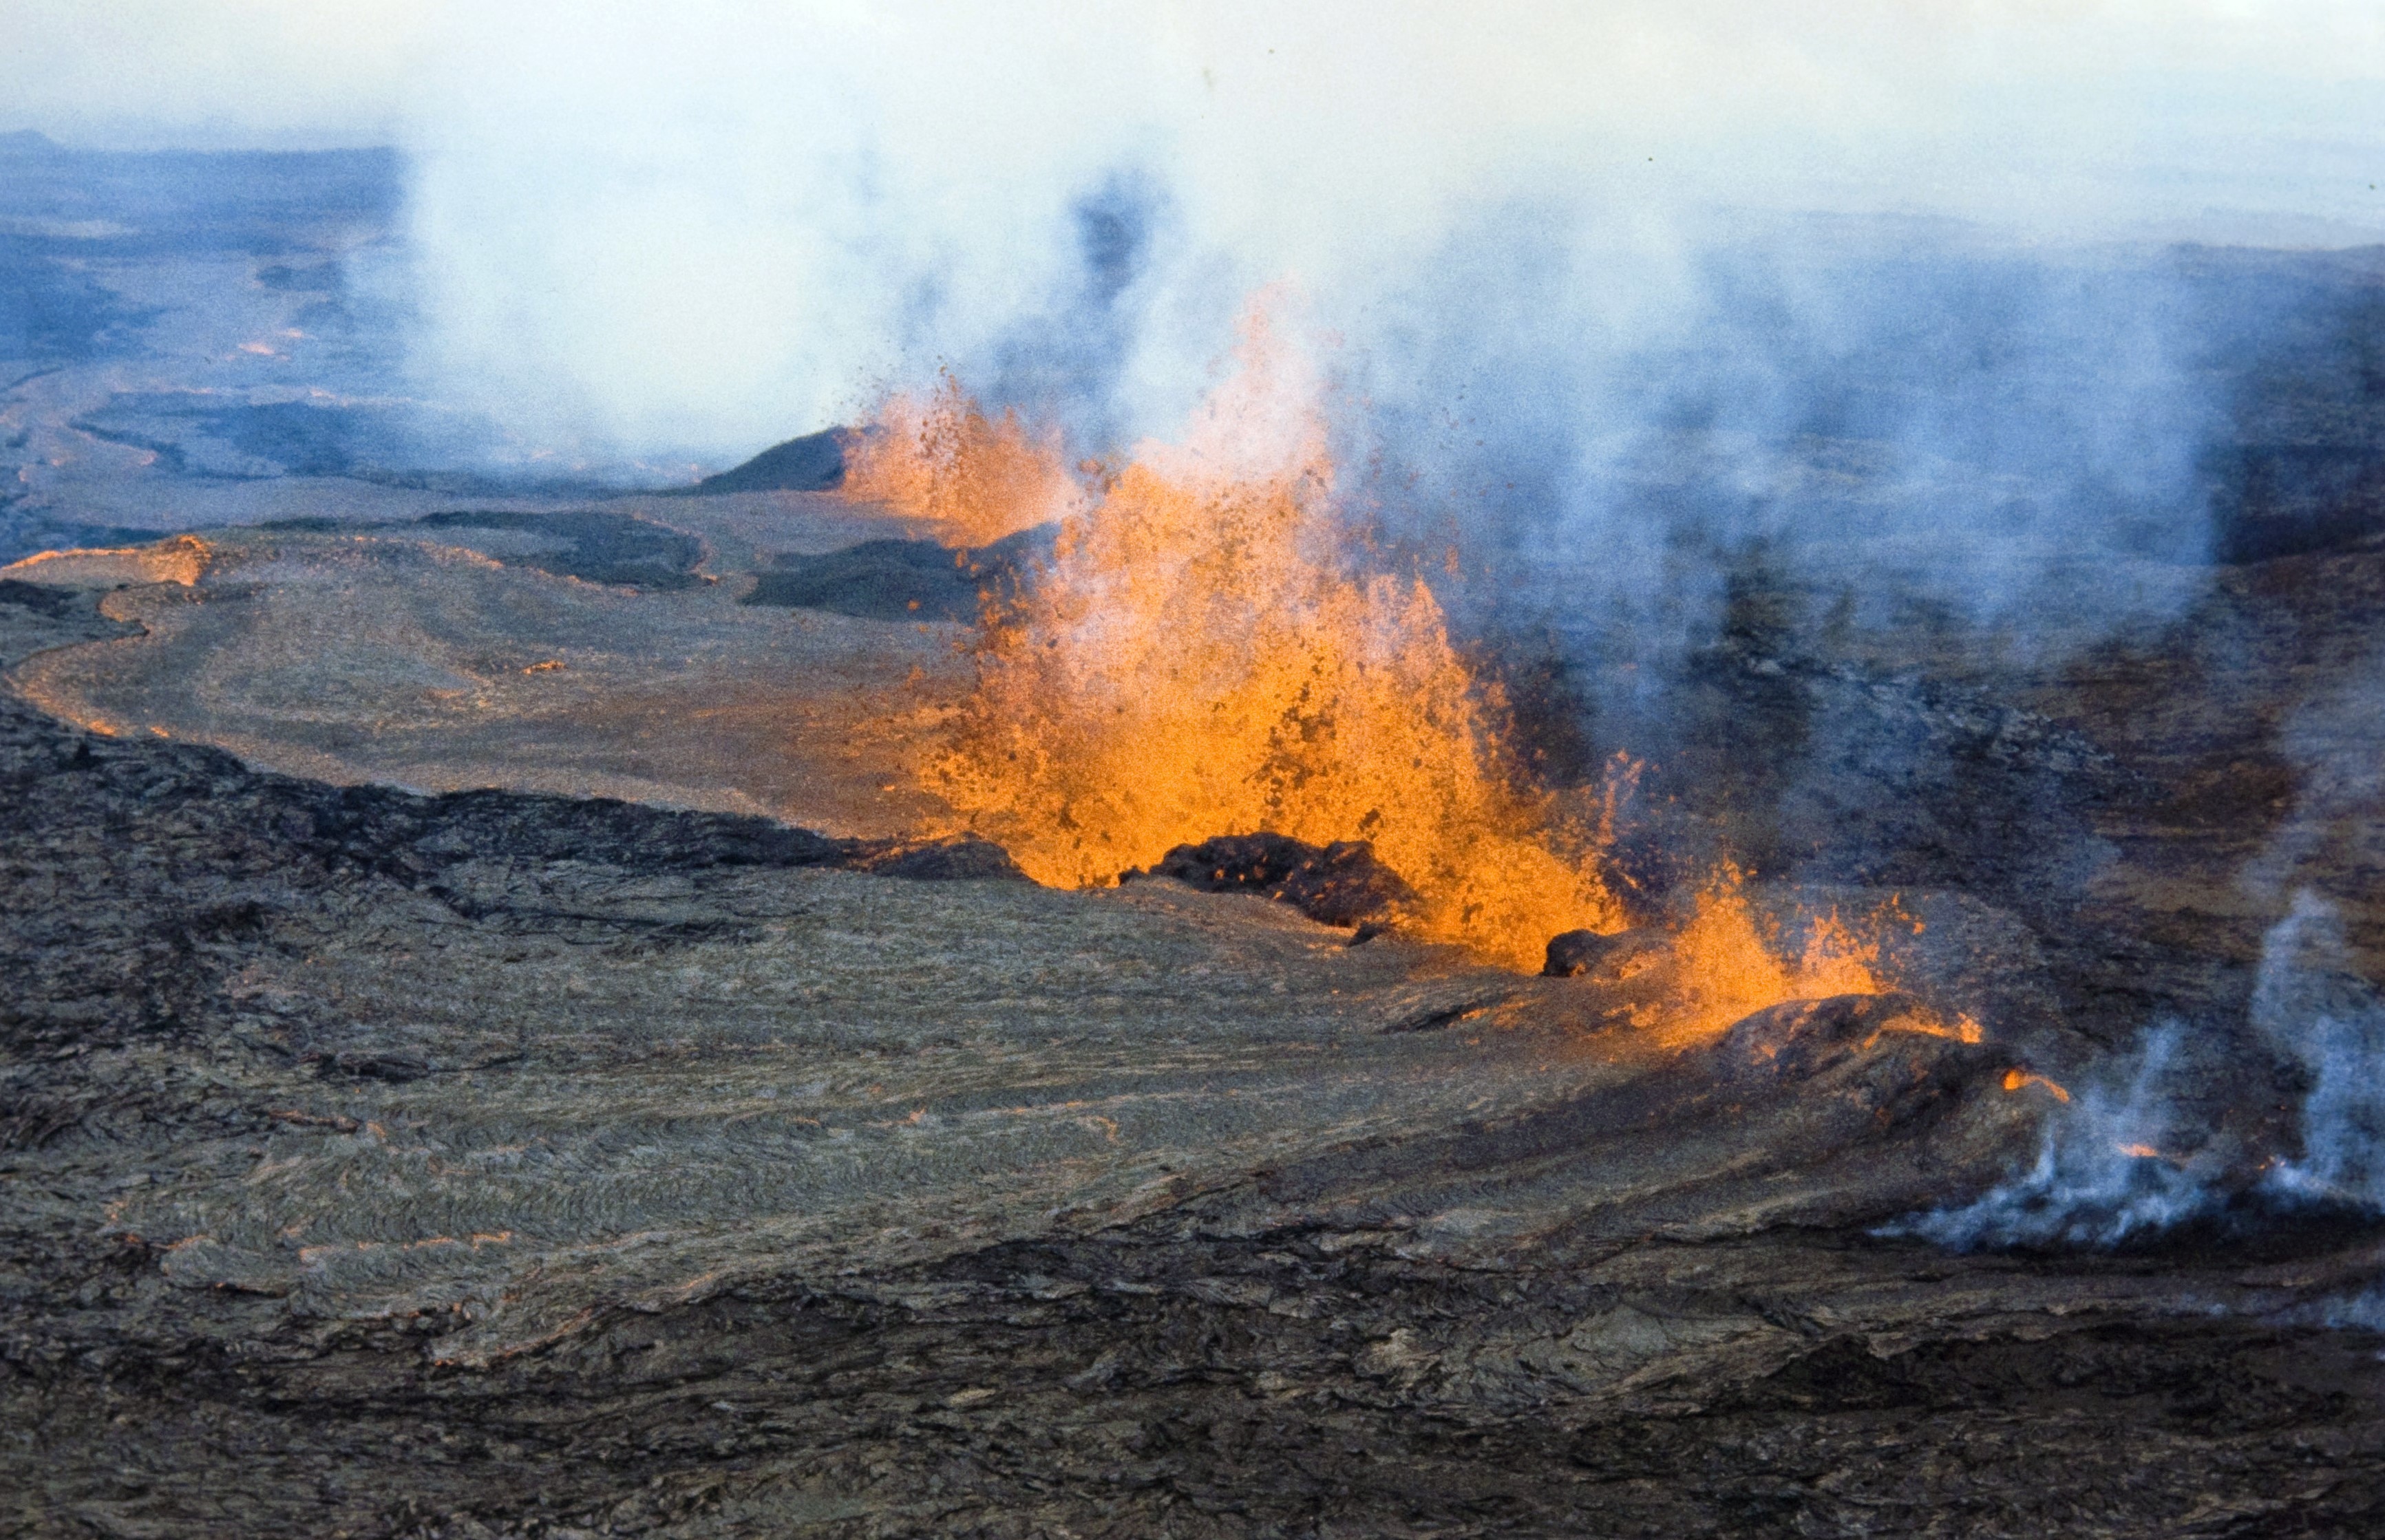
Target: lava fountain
[(1203, 655)]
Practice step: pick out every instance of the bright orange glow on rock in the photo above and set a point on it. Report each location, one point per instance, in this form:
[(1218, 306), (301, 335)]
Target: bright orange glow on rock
[(2017, 1078), (180, 560), (941, 459)]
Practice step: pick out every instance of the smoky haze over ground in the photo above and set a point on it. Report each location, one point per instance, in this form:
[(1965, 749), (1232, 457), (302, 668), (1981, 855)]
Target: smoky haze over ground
[(700, 234)]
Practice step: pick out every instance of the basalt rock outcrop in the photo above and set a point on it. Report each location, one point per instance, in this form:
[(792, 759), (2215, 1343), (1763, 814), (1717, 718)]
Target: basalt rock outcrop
[(811, 463), (1574, 953), (904, 580)]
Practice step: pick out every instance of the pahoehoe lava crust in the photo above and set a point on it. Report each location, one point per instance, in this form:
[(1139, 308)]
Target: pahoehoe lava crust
[(498, 1165)]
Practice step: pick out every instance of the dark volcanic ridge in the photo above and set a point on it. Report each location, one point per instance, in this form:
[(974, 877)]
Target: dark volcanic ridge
[(595, 545), (813, 463)]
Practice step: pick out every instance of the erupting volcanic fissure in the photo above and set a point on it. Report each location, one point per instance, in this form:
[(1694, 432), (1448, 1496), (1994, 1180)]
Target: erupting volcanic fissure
[(1202, 655), (940, 458), (1729, 967)]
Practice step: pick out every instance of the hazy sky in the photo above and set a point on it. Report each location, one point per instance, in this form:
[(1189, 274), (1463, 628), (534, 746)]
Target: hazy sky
[(606, 193), (2173, 104), (2070, 81)]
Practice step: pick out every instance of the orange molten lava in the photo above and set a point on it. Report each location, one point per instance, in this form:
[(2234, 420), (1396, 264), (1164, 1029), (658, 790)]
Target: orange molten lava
[(1199, 660), (1732, 965), (2015, 1079), (941, 459), (1201, 657)]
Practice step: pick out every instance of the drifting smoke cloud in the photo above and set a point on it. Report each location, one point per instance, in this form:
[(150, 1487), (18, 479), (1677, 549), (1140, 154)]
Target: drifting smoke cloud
[(2008, 408), (2313, 1008), (699, 228)]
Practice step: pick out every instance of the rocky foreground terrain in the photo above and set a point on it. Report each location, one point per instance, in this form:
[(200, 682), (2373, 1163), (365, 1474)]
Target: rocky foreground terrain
[(503, 1163)]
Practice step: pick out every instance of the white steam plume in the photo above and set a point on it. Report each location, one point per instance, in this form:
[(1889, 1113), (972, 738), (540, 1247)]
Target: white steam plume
[(2106, 1170), (702, 226), (2313, 1008), (2310, 1006), (2128, 1158)]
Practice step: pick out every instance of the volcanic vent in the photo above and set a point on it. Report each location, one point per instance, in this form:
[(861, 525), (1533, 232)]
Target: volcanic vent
[(1210, 679)]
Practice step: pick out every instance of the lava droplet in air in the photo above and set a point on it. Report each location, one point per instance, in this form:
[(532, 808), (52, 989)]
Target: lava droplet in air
[(941, 459)]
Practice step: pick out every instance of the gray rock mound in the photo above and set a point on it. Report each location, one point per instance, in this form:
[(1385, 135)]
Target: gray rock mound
[(813, 463)]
